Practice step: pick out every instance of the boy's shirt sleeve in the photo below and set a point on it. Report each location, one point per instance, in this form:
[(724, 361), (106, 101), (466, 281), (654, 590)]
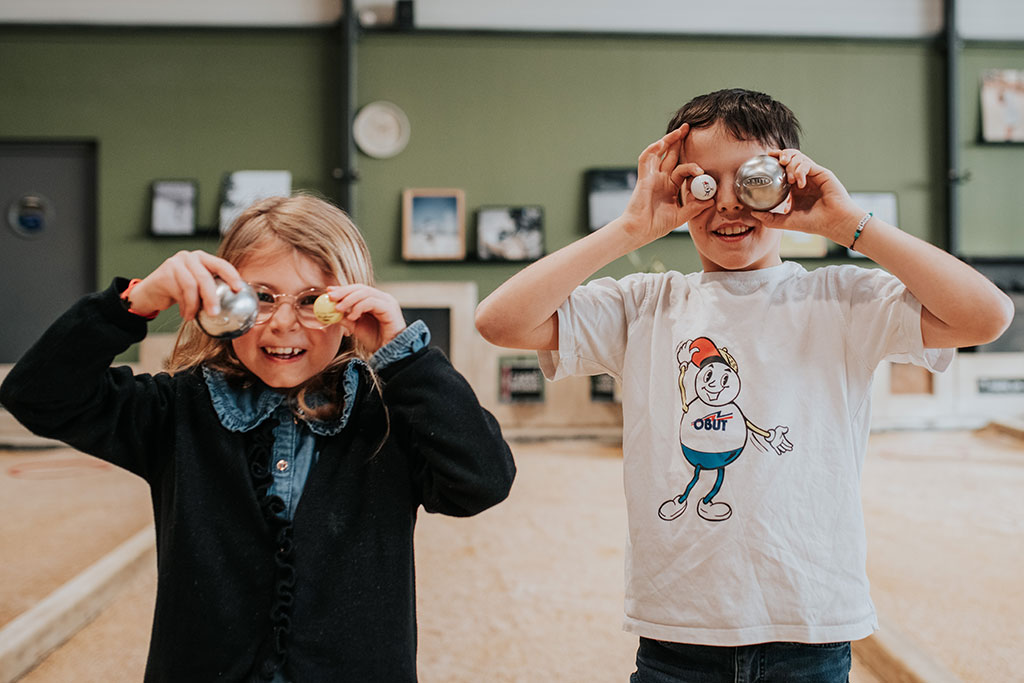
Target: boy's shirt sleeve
[(883, 320), (593, 325)]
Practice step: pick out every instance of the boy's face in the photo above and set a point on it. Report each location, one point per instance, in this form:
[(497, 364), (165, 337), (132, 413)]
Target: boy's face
[(727, 236)]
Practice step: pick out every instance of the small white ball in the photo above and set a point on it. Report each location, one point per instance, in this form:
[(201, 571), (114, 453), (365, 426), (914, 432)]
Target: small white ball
[(703, 187)]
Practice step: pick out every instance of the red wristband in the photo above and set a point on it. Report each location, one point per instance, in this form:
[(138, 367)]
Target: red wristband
[(126, 302)]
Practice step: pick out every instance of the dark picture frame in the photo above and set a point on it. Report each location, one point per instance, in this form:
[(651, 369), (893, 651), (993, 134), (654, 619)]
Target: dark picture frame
[(520, 380), (173, 205), (510, 233), (608, 192)]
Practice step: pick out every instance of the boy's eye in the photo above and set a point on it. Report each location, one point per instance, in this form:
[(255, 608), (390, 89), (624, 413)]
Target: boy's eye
[(265, 298)]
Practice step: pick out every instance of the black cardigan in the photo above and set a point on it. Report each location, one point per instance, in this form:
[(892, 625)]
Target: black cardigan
[(331, 595)]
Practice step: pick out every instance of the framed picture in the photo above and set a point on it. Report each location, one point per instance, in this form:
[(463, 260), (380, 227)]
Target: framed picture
[(243, 188), (797, 244), (173, 207), (608, 193), (433, 225), (603, 389), (510, 233), (1002, 105), (520, 379)]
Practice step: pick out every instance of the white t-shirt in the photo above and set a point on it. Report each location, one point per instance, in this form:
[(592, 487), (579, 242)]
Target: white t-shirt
[(775, 358)]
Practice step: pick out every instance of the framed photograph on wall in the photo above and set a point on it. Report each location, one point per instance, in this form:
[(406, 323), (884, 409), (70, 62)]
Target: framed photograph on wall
[(244, 188), (510, 233), (797, 244), (1002, 105), (433, 224), (520, 380), (608, 192), (173, 207)]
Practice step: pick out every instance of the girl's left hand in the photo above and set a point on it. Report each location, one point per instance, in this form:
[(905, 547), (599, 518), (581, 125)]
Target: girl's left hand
[(821, 205), (371, 316)]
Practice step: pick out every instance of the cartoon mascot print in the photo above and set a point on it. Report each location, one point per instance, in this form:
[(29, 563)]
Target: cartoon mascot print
[(713, 431)]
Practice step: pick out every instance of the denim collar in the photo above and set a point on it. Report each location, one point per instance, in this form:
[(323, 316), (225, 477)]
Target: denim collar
[(241, 409)]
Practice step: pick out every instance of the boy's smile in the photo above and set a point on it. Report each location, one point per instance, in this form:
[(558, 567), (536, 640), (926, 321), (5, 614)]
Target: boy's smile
[(727, 235)]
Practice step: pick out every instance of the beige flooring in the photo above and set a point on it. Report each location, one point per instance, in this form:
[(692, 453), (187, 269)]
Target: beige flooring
[(531, 591)]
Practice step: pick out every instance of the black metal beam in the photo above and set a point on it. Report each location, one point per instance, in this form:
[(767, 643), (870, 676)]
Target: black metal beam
[(346, 174), (954, 176)]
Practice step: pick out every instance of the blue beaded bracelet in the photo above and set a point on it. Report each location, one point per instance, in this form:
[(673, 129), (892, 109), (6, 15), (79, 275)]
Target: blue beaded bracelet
[(860, 228)]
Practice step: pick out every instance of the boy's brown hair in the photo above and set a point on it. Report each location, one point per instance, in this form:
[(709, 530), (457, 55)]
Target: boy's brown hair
[(748, 115)]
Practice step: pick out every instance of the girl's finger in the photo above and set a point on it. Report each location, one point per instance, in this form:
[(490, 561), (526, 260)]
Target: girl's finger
[(186, 293), (222, 269), (202, 284)]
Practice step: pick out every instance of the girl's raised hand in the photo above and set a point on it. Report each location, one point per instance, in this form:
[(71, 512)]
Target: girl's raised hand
[(371, 316), (186, 279), (661, 200)]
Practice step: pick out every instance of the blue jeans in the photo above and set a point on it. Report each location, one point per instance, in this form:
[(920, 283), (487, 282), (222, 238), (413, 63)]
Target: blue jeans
[(660, 662)]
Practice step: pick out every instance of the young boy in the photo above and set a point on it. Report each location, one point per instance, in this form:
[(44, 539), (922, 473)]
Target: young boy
[(760, 573)]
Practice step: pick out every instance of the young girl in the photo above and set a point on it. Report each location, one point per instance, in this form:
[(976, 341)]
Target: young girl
[(287, 465)]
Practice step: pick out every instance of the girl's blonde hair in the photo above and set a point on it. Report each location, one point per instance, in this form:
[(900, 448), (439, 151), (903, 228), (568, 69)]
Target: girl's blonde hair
[(314, 228)]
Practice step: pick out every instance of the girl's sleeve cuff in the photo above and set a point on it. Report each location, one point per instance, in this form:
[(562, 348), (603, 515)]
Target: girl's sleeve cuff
[(410, 340)]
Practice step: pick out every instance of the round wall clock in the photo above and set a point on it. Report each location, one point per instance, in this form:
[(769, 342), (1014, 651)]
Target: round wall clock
[(381, 129)]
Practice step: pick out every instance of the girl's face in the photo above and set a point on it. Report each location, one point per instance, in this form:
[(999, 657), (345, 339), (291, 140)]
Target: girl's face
[(728, 237), (282, 352)]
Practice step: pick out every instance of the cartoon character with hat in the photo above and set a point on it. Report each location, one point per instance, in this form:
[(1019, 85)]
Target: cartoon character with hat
[(713, 431)]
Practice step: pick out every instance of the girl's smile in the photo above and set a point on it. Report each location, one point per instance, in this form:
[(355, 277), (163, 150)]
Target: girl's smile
[(281, 351)]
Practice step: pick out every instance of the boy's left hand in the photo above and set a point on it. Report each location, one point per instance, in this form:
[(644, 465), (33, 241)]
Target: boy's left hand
[(372, 317), (821, 205)]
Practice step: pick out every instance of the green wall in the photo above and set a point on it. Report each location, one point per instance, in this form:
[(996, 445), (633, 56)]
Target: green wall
[(991, 211), (511, 119), (171, 104), (516, 120)]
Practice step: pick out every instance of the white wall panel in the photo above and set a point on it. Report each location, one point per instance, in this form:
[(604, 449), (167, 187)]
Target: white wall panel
[(172, 12), (978, 19), (856, 18), (990, 19)]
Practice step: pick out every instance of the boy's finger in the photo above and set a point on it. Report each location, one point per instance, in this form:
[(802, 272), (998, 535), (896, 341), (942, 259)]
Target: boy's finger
[(683, 171)]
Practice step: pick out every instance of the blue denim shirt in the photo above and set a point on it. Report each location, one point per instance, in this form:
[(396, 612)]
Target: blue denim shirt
[(294, 452)]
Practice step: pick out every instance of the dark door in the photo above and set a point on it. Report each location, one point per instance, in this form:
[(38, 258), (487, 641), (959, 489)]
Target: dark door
[(47, 236)]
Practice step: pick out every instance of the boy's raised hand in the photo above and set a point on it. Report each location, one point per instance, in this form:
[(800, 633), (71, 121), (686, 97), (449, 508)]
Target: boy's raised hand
[(821, 204), (186, 279), (661, 200)]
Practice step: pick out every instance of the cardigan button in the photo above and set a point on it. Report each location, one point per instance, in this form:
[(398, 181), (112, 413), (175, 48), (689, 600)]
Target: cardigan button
[(282, 465)]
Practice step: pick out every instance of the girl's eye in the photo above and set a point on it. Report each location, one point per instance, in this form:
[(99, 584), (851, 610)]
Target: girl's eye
[(265, 298), (308, 300)]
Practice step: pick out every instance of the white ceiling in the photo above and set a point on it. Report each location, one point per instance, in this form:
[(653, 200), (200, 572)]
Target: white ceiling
[(980, 19)]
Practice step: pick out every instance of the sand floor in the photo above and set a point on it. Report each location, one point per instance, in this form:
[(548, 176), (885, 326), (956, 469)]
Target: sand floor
[(531, 591)]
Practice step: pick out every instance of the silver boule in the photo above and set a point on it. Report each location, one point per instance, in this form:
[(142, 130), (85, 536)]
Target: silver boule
[(237, 312), (761, 183)]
